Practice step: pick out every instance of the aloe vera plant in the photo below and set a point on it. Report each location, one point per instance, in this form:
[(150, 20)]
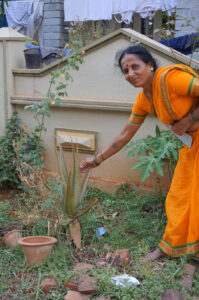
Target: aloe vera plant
[(73, 190)]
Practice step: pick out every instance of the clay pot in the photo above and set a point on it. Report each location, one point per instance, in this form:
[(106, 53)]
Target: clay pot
[(36, 248), (11, 238)]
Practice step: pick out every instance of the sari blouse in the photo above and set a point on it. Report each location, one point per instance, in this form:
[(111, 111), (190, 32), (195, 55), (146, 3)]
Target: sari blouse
[(174, 91)]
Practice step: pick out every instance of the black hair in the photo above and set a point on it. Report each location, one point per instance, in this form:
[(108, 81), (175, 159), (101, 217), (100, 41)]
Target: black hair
[(141, 52)]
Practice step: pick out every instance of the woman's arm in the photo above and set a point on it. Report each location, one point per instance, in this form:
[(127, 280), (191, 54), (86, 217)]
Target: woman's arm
[(117, 143), (188, 123)]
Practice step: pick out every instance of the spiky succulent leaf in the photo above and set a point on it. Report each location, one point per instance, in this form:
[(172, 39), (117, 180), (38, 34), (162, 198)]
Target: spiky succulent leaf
[(69, 207), (84, 185), (76, 178)]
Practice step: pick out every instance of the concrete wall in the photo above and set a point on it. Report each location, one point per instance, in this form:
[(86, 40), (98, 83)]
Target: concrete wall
[(99, 100)]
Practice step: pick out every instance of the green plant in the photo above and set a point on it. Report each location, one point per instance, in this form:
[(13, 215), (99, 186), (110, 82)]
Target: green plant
[(154, 153), (56, 90), (28, 154), (73, 189), (2, 11)]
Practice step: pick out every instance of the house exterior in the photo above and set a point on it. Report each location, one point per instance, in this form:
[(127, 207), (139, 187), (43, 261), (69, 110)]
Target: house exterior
[(98, 104)]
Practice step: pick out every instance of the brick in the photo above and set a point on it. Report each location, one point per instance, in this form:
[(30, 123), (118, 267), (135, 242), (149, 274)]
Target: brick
[(55, 35), (187, 278), (55, 28), (53, 14), (84, 267), (71, 295), (87, 285), (53, 21), (172, 295), (54, 43), (121, 257), (48, 283), (53, 1), (53, 6)]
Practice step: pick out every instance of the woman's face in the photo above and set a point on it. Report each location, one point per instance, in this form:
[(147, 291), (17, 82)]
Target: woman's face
[(136, 71)]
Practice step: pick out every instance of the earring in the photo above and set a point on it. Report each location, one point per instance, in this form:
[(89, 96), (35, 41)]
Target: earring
[(151, 69)]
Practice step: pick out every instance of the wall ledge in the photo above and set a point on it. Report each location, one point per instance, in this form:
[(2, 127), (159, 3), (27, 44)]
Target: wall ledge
[(96, 104)]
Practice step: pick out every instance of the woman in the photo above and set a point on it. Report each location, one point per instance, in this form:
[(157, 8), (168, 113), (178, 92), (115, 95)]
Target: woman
[(170, 93)]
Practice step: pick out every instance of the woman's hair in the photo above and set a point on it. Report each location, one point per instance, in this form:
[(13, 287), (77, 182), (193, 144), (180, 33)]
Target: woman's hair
[(141, 52)]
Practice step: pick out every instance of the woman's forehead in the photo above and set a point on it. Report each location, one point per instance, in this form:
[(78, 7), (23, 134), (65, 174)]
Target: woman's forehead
[(129, 59)]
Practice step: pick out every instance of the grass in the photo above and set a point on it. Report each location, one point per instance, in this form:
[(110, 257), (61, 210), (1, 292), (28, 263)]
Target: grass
[(131, 220)]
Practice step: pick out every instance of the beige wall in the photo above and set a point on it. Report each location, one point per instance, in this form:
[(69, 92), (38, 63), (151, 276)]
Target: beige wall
[(99, 100)]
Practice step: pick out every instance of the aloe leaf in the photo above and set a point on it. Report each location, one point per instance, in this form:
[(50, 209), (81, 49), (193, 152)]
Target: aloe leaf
[(76, 184), (84, 185), (86, 209), (75, 232), (69, 207), (64, 170), (58, 161)]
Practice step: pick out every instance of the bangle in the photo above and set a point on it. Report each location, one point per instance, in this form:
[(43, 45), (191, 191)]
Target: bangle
[(102, 156), (192, 116), (95, 161)]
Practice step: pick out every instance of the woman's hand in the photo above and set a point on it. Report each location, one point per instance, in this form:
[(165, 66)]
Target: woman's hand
[(181, 126), (91, 163)]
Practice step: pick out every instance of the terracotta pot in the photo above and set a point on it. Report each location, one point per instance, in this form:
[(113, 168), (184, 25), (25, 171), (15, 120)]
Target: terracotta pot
[(11, 238), (36, 248)]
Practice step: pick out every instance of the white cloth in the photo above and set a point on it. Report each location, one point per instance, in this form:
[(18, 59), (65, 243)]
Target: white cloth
[(35, 22), (17, 14), (125, 9), (87, 10), (100, 10)]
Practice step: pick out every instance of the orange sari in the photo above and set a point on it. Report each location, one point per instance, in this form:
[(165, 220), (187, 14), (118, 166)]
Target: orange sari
[(175, 91)]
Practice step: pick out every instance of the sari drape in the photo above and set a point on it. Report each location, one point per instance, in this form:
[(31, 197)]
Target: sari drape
[(175, 91)]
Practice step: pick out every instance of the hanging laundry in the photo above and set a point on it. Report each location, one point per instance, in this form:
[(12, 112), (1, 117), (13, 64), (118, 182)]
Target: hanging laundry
[(35, 22), (123, 10), (88, 10), (17, 14)]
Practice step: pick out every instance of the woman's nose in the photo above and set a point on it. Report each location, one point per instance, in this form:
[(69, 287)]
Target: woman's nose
[(130, 74)]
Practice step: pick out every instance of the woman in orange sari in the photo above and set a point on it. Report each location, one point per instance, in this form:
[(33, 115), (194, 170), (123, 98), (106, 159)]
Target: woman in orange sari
[(171, 94)]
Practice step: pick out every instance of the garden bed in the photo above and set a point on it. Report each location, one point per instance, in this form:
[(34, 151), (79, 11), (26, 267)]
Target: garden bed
[(131, 221)]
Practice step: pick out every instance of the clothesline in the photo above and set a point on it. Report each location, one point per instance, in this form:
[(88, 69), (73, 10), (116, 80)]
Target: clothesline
[(94, 10)]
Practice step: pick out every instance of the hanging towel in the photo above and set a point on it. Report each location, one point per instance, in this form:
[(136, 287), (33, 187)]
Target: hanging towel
[(17, 14)]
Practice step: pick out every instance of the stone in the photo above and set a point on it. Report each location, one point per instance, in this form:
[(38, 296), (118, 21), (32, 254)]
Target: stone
[(71, 285), (84, 267), (101, 298), (121, 256), (48, 283), (71, 295), (187, 278), (172, 295), (87, 285)]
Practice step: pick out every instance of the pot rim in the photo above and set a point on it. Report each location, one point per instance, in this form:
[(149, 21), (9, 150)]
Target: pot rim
[(48, 240), (9, 232)]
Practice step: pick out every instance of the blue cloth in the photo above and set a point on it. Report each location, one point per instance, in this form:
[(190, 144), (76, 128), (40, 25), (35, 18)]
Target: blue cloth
[(5, 23), (184, 44), (29, 46)]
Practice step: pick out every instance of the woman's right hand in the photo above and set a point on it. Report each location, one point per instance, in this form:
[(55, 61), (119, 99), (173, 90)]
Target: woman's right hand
[(88, 164)]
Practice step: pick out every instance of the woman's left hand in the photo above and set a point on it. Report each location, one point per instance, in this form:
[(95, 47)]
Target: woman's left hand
[(181, 126)]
